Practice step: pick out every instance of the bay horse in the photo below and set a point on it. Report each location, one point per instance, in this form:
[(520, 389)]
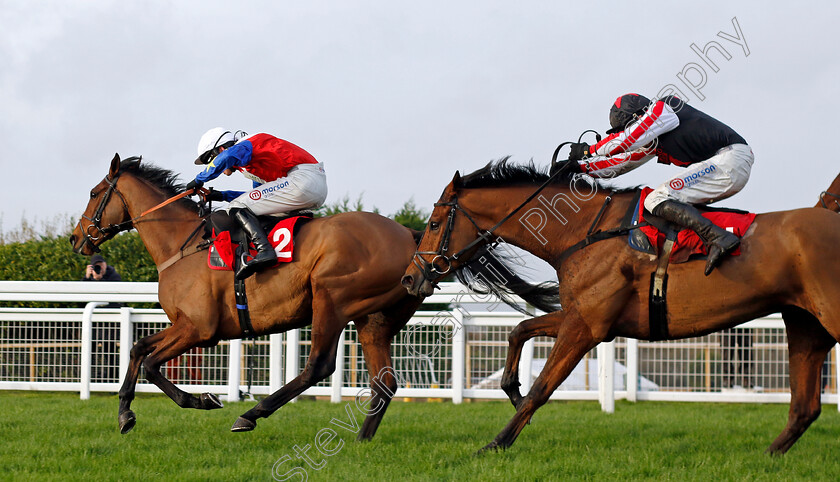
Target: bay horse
[(789, 263), (344, 267)]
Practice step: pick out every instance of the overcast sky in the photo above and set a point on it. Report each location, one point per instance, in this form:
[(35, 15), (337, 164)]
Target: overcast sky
[(393, 97)]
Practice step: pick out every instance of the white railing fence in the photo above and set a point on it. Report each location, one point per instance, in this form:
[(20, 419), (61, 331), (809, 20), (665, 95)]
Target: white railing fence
[(455, 351)]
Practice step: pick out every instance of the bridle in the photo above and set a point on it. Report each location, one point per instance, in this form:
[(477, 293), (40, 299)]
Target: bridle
[(430, 269), (835, 200), (107, 232)]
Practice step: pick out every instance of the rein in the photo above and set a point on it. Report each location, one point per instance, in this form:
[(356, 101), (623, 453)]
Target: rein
[(112, 230), (430, 269)]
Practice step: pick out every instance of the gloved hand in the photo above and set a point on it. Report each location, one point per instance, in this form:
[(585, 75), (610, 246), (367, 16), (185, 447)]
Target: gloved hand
[(215, 195), (194, 184), (571, 167), (580, 150)]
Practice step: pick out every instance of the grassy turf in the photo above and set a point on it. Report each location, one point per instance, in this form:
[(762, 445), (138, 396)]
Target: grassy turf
[(55, 436)]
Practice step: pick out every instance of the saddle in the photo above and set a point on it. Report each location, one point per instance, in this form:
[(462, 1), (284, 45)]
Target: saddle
[(227, 236), (653, 231)]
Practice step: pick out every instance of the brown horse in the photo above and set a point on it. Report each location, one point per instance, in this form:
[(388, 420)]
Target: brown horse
[(789, 263), (345, 267)]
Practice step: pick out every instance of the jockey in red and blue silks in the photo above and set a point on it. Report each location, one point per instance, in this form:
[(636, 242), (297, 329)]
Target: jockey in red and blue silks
[(285, 178), (717, 159)]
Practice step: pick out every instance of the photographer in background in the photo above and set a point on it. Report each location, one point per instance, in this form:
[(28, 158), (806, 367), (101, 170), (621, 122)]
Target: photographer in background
[(98, 270), (106, 361)]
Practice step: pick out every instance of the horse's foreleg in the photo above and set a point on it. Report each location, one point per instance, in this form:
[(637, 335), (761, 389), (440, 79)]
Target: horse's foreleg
[(808, 344), (319, 366), (574, 340), (139, 351), (545, 325)]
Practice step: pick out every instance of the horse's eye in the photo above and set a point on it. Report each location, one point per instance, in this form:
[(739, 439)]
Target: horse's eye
[(434, 226), (92, 194)]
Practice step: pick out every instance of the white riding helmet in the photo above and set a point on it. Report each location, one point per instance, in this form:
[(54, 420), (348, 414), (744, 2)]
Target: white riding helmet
[(211, 140)]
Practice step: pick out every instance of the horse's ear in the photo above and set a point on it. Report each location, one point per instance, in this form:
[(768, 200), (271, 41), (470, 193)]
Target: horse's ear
[(457, 178), (115, 165)]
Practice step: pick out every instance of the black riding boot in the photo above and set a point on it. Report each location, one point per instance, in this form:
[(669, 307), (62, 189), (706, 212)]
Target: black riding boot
[(719, 241), (265, 256)]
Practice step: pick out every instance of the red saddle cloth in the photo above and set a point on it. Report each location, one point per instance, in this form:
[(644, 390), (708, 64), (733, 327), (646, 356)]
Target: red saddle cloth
[(688, 243), (221, 253)]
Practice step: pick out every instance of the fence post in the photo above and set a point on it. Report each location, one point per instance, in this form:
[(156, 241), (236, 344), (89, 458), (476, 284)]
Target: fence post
[(87, 348), (126, 340), (459, 350), (292, 355), (527, 358), (234, 365), (275, 362), (632, 382), (337, 380), (837, 373), (606, 376), (525, 364)]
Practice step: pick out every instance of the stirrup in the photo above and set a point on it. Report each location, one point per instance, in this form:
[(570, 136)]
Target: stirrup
[(716, 255), (248, 268)]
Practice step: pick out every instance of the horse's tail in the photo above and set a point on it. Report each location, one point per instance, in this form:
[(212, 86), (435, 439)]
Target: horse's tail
[(492, 272)]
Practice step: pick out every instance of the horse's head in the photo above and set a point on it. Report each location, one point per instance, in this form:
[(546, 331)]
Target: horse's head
[(442, 249), (106, 213)]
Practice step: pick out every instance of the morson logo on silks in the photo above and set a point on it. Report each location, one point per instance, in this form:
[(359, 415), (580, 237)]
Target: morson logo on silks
[(691, 180), (257, 194)]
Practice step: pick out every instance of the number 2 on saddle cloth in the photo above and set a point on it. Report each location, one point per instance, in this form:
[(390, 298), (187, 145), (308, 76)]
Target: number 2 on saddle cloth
[(221, 253)]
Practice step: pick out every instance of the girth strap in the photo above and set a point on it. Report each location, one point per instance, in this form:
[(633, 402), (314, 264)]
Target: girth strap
[(658, 302), (242, 309)]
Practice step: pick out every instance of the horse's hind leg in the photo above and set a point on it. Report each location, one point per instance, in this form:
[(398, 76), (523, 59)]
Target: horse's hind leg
[(177, 340), (808, 344), (524, 331), (320, 365), (376, 332), (151, 352)]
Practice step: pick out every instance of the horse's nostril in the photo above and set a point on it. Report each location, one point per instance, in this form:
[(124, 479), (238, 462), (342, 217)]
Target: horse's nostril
[(73, 240), (407, 281)]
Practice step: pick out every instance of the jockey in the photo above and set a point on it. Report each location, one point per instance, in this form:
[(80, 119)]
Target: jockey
[(717, 161), (286, 178)]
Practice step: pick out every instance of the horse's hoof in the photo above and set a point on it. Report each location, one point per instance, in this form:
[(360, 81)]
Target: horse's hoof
[(243, 425), (127, 421), (210, 401), (492, 446)]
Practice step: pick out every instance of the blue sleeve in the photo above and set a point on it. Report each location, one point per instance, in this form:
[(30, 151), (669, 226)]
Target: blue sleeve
[(237, 155), (231, 195)]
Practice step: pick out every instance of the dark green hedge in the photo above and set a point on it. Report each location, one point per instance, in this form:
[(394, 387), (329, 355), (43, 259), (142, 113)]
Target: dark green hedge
[(51, 259)]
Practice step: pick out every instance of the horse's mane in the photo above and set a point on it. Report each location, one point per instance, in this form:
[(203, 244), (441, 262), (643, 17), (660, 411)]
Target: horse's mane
[(490, 271), (502, 173), (483, 278), (163, 179)]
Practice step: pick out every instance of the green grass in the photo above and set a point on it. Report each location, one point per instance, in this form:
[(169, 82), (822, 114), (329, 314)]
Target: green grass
[(56, 436)]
